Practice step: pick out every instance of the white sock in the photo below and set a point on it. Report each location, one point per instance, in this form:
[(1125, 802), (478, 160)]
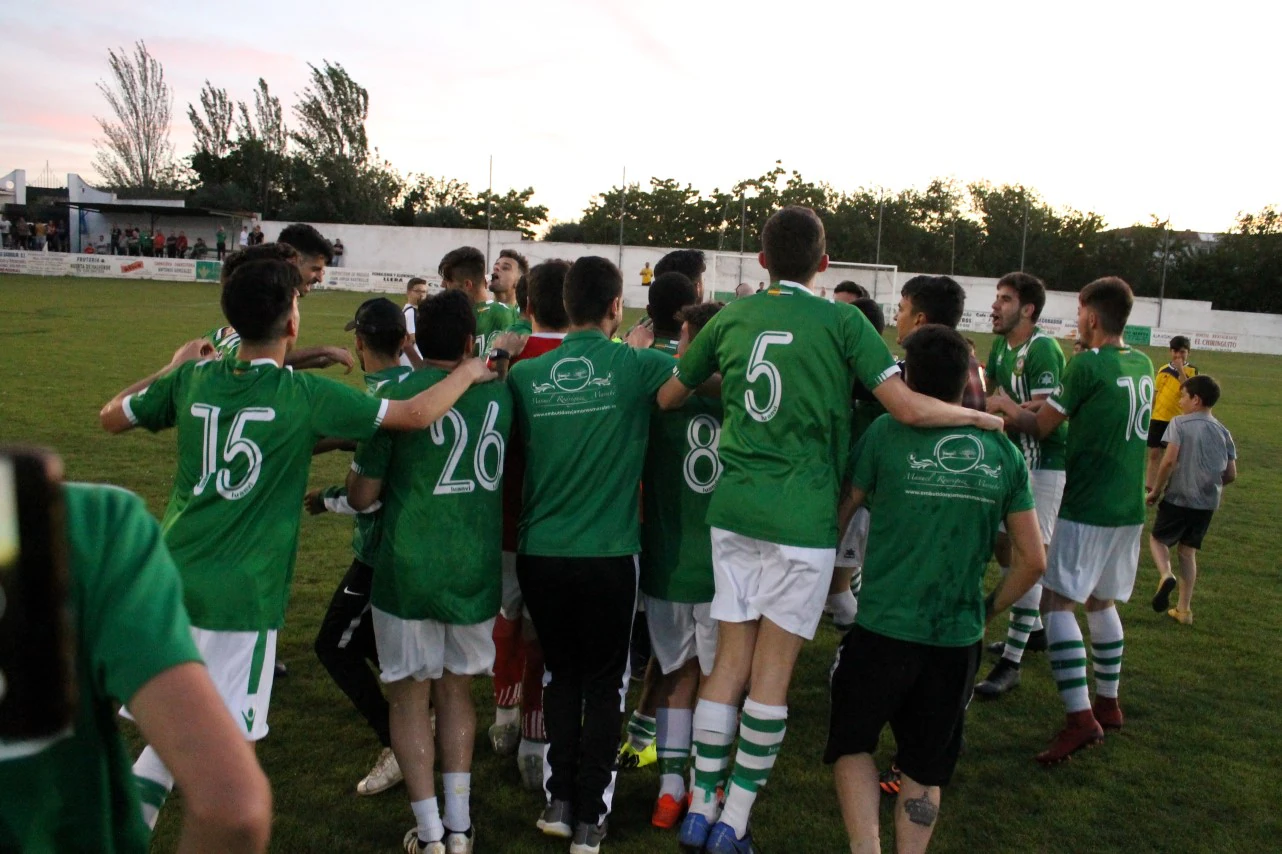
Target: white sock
[(675, 730), (154, 784), (843, 607), (428, 816), (507, 715), (458, 795), (1023, 616), (1068, 660), (1106, 650)]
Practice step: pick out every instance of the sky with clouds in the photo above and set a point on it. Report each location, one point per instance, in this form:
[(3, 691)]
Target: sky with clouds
[(1125, 108)]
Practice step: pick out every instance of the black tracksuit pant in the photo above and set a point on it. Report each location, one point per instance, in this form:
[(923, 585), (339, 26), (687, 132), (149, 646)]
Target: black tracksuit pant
[(345, 645), (582, 610)]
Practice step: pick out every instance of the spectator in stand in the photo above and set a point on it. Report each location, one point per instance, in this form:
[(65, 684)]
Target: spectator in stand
[(256, 238), (4, 232), (144, 242), (131, 240), (244, 237), (51, 236), (158, 243), (199, 250), (41, 231), (22, 231), (220, 242), (171, 245), (338, 253), (181, 244), (100, 247), (89, 250), (117, 241)]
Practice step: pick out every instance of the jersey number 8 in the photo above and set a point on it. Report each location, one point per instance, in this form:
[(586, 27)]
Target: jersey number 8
[(703, 434), (761, 368)]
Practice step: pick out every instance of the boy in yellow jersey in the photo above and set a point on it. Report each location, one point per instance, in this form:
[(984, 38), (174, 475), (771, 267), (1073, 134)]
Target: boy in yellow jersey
[(1166, 402)]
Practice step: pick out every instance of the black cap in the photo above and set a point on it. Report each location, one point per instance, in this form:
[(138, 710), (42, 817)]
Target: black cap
[(377, 315)]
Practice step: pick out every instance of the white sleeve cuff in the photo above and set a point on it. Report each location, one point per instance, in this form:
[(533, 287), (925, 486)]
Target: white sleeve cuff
[(129, 410), (382, 413)]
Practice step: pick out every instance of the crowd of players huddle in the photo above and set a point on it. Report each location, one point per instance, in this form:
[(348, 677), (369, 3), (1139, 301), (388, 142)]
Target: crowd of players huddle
[(760, 472)]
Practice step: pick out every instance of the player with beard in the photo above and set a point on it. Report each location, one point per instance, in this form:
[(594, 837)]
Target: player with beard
[(1026, 364)]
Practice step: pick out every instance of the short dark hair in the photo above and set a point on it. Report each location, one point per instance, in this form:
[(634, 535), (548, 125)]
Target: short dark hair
[(1030, 289), (546, 284), (417, 280), (522, 293), (794, 243), (307, 240), (849, 287), (1204, 389), (465, 263), (937, 361), (591, 284), (687, 261), (445, 326), (257, 298), (517, 257), (698, 315), (1111, 300), (940, 298), (261, 252), (1181, 342), (669, 293), (872, 310), (380, 323)]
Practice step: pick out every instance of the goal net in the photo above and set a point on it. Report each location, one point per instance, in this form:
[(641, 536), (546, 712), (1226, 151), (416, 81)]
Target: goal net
[(730, 269)]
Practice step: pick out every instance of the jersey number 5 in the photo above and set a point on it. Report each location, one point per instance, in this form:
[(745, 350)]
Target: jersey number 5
[(1141, 405), (761, 368), (237, 446)]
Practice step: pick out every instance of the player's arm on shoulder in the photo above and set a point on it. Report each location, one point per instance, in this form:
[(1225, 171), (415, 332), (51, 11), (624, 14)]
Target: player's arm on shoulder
[(117, 416), (430, 405), (695, 367), (917, 410), (307, 358), (1028, 561), (330, 443), (227, 802)]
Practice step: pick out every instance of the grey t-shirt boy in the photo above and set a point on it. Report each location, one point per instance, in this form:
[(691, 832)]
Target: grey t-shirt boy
[(1205, 450)]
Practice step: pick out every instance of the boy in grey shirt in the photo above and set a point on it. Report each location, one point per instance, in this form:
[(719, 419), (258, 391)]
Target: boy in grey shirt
[(1200, 459)]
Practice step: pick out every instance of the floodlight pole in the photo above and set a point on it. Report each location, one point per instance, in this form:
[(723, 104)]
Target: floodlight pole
[(881, 209), (1023, 243), (623, 204), (489, 200), (952, 260), (743, 232), (1161, 288)]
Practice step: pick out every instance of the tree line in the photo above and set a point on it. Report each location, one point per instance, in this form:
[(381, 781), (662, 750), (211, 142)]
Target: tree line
[(320, 166)]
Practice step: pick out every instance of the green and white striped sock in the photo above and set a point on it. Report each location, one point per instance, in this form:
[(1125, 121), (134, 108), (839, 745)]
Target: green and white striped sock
[(641, 731), (714, 730), (761, 734), (1023, 619), (154, 784), (1068, 660), (1106, 650)]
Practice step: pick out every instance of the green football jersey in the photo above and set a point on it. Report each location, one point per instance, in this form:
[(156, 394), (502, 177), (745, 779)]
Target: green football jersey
[(788, 361), (76, 791), (1033, 368), (438, 554), (681, 471), (521, 326), (583, 413), (491, 319), (937, 496), (365, 527), (245, 437), (226, 341), (1107, 394)]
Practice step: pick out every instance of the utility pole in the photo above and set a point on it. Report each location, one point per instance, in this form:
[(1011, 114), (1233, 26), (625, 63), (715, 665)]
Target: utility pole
[(623, 204), (1023, 243), (743, 231), (1161, 288), (489, 199)]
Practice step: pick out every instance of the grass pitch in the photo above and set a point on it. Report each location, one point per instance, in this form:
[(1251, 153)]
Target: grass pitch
[(1195, 770)]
